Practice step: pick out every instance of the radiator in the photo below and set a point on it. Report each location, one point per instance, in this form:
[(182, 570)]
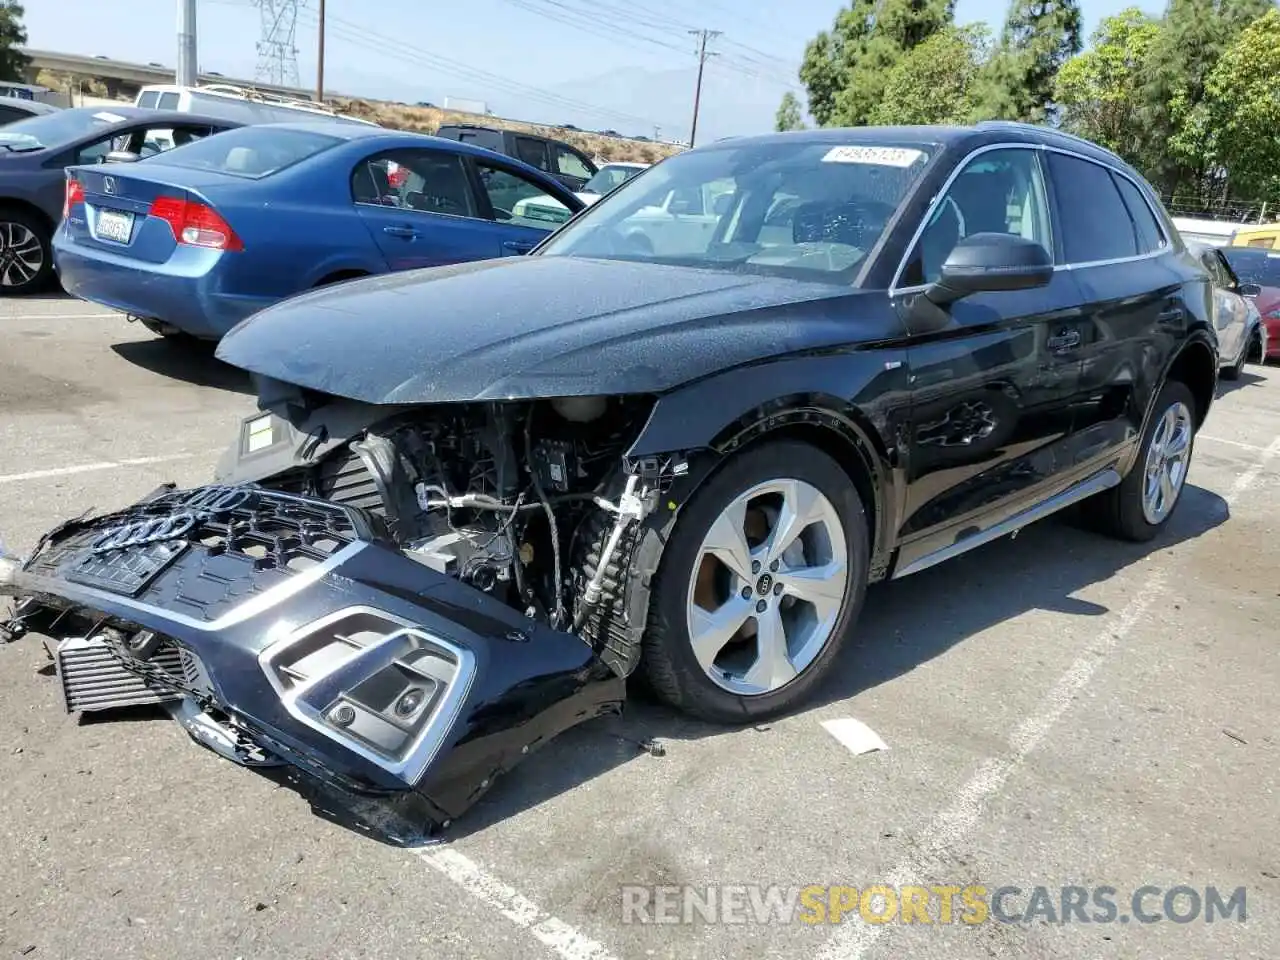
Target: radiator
[(93, 679)]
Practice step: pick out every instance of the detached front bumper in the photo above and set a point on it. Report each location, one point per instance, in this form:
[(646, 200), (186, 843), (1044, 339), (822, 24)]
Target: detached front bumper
[(311, 639)]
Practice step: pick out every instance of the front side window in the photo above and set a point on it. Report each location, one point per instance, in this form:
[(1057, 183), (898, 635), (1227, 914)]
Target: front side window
[(808, 209), (1001, 191), (431, 181), (521, 201), (1095, 222), (1254, 266)]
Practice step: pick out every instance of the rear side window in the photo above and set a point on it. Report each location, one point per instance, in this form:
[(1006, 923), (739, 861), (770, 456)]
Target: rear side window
[(149, 100), (533, 152), (1095, 222), (251, 152), (1150, 239)]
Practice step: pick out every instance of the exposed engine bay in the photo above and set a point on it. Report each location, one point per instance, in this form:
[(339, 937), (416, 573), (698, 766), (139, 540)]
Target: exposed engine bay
[(528, 502)]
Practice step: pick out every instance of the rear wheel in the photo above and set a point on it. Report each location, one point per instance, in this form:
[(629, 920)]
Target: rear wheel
[(1144, 501), (26, 254), (759, 586)]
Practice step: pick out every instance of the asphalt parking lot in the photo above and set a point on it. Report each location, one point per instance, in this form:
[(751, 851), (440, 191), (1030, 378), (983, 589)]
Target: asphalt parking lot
[(1059, 709)]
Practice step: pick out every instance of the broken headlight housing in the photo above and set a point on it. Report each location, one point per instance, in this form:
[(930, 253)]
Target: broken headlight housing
[(378, 685)]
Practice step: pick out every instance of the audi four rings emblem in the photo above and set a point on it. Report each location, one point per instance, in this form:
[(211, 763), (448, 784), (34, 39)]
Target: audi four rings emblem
[(203, 504)]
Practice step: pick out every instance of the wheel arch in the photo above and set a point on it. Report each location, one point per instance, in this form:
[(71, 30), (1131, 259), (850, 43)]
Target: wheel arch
[(29, 208), (1195, 365), (338, 276)]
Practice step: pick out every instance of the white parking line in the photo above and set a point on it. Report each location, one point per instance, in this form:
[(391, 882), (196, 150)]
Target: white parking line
[(60, 316), (563, 939), (102, 465), (1235, 443), (852, 940)]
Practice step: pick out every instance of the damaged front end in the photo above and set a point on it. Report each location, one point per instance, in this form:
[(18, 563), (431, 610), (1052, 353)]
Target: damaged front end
[(282, 628)]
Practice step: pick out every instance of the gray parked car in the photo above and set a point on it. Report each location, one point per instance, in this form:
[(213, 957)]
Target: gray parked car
[(13, 109), (33, 155)]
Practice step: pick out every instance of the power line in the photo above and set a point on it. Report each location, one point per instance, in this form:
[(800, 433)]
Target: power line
[(703, 36)]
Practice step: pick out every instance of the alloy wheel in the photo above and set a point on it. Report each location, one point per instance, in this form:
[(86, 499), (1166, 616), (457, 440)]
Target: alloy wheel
[(768, 587), (1168, 457), (21, 254)]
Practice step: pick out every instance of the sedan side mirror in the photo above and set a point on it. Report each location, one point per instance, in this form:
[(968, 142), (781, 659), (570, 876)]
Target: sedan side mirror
[(990, 262), (121, 156), (1249, 289)]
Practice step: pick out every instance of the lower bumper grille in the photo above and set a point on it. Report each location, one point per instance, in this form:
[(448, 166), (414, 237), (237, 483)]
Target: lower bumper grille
[(93, 678)]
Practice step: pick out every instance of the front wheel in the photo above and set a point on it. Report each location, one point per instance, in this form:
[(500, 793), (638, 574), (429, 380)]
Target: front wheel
[(1144, 501), (760, 584), (26, 253)]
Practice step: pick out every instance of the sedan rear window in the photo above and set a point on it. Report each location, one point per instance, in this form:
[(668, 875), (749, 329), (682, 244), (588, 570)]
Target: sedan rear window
[(252, 152)]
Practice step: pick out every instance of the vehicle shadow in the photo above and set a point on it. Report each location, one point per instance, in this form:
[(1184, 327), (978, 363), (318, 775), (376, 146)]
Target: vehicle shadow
[(904, 624), (191, 361), (1246, 379)]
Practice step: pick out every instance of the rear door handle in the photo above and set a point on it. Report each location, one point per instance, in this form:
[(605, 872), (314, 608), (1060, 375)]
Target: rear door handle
[(407, 232), (517, 246)]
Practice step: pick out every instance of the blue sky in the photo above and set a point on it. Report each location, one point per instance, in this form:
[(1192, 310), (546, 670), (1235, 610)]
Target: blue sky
[(600, 64)]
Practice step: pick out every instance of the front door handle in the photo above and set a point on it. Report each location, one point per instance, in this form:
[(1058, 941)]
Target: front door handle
[(1064, 341), (1171, 315), (407, 233), (517, 246)]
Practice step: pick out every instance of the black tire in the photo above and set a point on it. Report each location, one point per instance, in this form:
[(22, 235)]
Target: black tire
[(668, 663), (1118, 512), (12, 219)]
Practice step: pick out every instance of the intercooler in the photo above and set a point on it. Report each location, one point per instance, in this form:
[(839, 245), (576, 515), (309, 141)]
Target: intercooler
[(93, 678)]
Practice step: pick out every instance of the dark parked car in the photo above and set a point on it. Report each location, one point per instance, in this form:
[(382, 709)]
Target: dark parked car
[(561, 160), (33, 154), (478, 498), (197, 239), (17, 108)]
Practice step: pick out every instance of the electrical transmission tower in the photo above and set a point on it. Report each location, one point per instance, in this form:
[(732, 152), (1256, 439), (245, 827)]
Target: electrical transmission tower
[(277, 49)]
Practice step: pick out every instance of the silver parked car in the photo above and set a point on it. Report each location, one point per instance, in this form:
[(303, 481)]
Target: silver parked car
[(1234, 314)]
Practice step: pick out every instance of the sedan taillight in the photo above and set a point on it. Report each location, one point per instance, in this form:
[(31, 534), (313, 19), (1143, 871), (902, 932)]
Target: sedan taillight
[(74, 195), (196, 224)]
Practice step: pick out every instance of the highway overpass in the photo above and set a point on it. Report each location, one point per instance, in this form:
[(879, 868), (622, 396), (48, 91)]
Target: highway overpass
[(122, 77)]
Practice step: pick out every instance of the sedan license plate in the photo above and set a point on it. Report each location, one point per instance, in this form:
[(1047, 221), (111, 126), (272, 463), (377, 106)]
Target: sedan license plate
[(115, 225)]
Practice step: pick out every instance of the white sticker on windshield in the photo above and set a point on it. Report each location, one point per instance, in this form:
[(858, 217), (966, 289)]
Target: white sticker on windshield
[(881, 156), (109, 117)]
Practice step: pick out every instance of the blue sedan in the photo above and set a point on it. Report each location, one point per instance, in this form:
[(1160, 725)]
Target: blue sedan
[(195, 240)]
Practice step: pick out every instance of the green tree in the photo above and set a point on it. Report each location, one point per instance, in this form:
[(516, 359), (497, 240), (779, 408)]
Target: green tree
[(1039, 36), (1099, 92), (934, 81), (1193, 36), (13, 62), (788, 116), (845, 69), (1243, 111)]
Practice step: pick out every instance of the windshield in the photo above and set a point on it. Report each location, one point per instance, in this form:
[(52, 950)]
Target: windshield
[(55, 129), (252, 152), (609, 177), (796, 207), (1254, 266)]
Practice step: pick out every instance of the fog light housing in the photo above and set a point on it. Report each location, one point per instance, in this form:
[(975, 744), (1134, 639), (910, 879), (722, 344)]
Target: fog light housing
[(385, 689)]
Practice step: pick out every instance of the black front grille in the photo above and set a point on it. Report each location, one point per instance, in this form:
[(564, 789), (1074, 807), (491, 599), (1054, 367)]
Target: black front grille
[(223, 558)]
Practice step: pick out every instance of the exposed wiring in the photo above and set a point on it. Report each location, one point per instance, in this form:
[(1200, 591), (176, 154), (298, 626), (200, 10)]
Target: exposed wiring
[(557, 589)]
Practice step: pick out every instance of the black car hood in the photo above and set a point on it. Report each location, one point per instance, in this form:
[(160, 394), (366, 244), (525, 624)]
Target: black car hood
[(534, 327)]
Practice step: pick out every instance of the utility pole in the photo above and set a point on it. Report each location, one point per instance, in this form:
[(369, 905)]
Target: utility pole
[(703, 36), (320, 59), (187, 70)]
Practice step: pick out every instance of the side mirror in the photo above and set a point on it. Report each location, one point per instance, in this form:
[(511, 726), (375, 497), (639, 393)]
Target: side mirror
[(989, 262), (1250, 289), (569, 181), (121, 156)]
